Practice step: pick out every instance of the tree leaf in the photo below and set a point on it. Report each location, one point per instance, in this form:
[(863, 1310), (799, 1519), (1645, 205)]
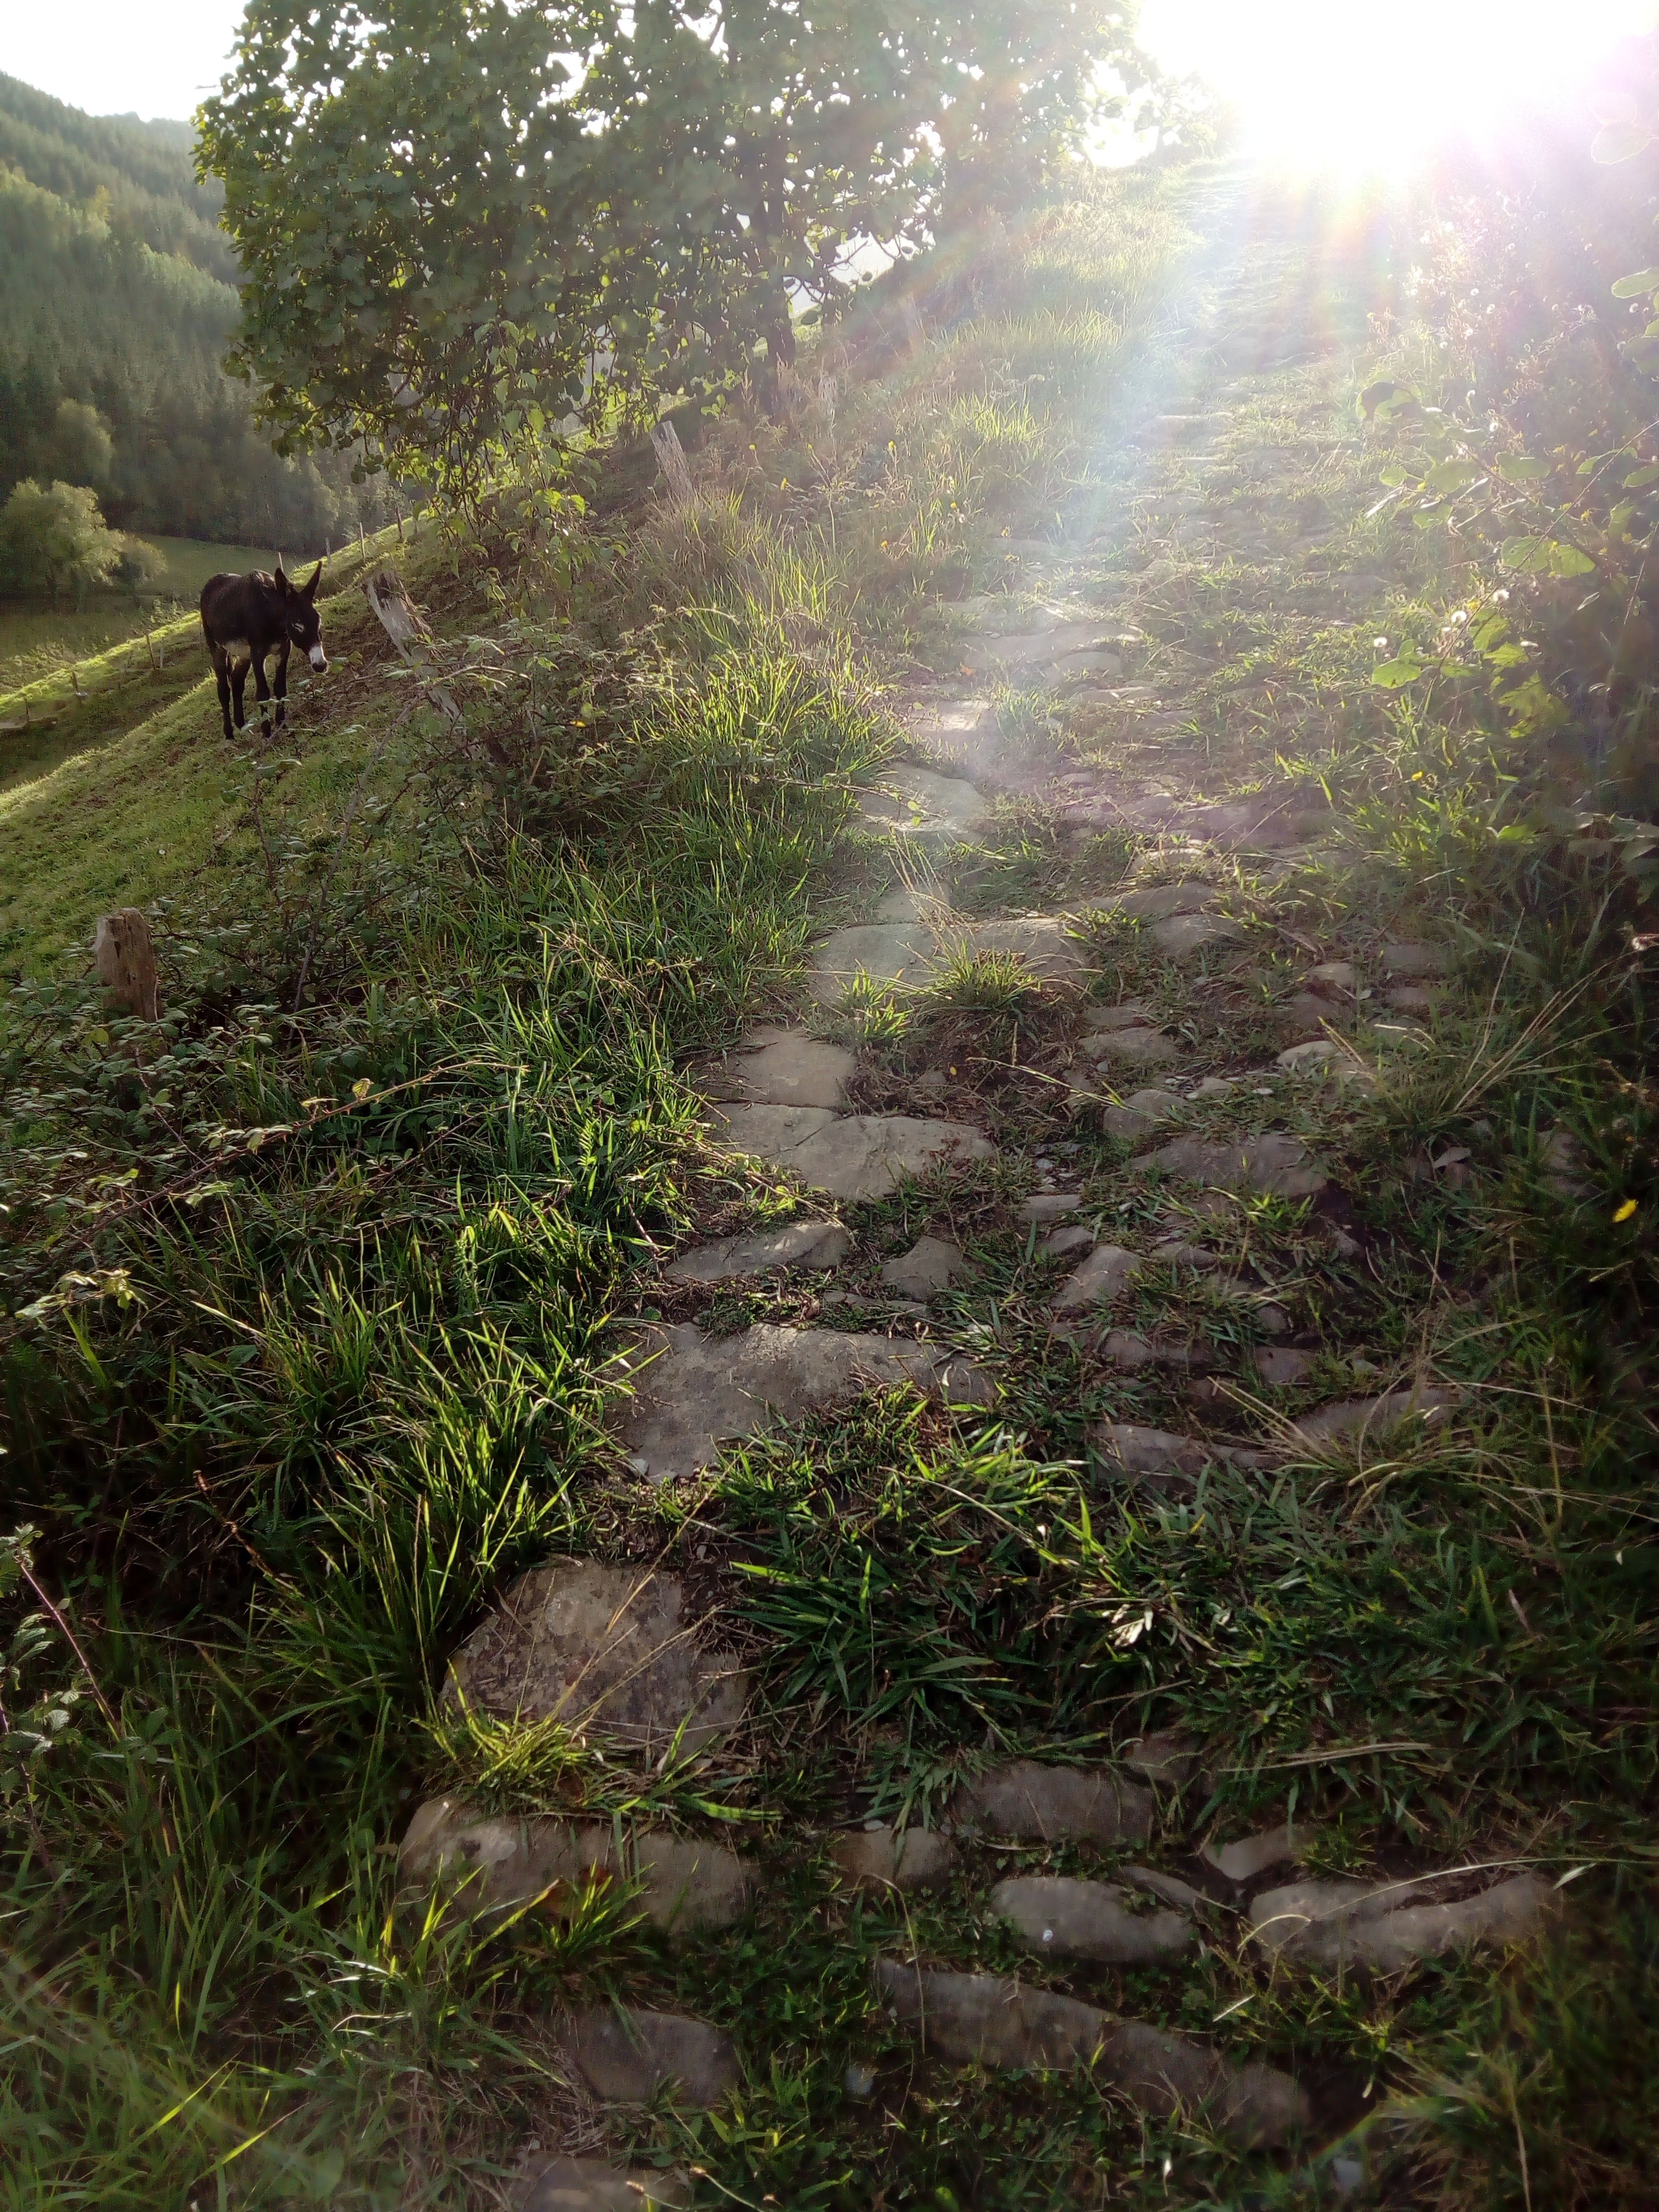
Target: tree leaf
[(1522, 468), (1639, 479), (1545, 556), (1637, 285)]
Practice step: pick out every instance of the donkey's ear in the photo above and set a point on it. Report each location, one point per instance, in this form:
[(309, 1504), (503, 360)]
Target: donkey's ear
[(281, 581), (310, 590)]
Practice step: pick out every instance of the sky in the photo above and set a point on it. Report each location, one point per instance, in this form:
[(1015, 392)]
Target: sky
[(1330, 77)]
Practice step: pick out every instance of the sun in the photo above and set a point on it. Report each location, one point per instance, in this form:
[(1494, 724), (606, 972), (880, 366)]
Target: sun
[(1330, 85)]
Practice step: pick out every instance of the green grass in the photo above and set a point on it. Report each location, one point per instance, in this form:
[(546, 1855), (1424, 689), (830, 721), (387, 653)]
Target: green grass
[(38, 642), (311, 1299)]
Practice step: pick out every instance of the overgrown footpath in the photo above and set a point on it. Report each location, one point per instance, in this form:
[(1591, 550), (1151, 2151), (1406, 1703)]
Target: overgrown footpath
[(1312, 1520)]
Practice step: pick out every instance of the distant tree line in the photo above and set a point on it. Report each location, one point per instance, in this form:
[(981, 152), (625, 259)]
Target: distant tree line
[(115, 316)]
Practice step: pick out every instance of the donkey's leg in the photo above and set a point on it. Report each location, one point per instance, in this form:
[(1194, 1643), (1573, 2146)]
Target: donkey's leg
[(281, 686), (221, 673), (262, 692), (237, 679)]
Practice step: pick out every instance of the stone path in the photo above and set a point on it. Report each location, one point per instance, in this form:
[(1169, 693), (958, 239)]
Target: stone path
[(1129, 983)]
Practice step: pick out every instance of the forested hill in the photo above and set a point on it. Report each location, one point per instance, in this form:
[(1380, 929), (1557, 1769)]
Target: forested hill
[(117, 302)]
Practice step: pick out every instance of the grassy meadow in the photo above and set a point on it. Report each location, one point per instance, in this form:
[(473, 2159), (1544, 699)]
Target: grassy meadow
[(309, 1303)]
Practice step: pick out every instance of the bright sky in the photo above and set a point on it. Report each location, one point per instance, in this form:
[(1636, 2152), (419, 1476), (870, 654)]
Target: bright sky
[(1322, 80), (113, 58), (1339, 83)]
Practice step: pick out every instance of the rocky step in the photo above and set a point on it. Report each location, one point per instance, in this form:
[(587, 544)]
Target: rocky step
[(626, 2055), (601, 1648), (1333, 1927), (692, 1393), (910, 955), (1057, 1917), (853, 1157), (880, 1858), (919, 803), (682, 1884), (1029, 1801), (995, 2021), (589, 2184)]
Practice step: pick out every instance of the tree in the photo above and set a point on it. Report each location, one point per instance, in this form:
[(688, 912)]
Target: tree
[(465, 222), (52, 537), (80, 447)]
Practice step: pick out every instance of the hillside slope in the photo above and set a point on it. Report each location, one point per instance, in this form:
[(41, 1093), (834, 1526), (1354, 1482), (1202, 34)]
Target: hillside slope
[(117, 293), (849, 1411)]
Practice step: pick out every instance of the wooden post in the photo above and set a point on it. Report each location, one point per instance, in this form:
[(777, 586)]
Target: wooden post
[(400, 525), (75, 679)]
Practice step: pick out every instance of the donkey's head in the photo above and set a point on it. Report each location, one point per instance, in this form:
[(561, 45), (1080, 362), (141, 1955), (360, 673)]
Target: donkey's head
[(300, 614)]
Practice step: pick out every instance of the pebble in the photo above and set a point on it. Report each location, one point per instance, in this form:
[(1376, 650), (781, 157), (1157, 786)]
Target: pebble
[(1108, 1271), (1059, 1241), (1401, 958), (1049, 1206), (1168, 1755), (1338, 978), (1185, 935), (1242, 1861), (931, 1265), (1056, 1918), (1283, 1368), (1135, 1048)]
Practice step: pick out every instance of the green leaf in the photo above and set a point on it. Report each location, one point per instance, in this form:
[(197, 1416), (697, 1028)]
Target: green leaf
[(1545, 556), (1639, 479), (1619, 142), (1452, 476), (1522, 468), (1637, 285), (1642, 353), (1405, 669), (1393, 474)]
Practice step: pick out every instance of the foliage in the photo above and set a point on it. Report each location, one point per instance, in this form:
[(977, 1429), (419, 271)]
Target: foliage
[(469, 228), (52, 538), (115, 308), (1540, 458)]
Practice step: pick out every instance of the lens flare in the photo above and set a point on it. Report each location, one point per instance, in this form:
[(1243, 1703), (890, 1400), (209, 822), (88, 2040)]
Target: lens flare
[(1321, 85)]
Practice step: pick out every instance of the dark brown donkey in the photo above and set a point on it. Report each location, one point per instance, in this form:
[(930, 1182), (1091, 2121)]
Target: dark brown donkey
[(246, 618)]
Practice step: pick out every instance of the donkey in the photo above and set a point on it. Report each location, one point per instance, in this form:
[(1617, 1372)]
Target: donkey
[(244, 619)]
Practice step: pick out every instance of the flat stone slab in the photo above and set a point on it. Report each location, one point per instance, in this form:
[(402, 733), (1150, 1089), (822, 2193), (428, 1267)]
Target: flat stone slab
[(1167, 1755), (1274, 1165), (815, 1244), (627, 2056), (1046, 943), (1132, 1048), (1361, 1418), (1059, 1241), (1108, 1271), (997, 2021), (1049, 1206), (850, 1156), (1057, 1918), (1148, 1454), (590, 2185), (605, 1649), (1248, 1856), (1141, 1112), (901, 954), (1023, 648), (1331, 1926), (1415, 960), (684, 1883), (1184, 936), (787, 1068), (919, 802), (931, 1265), (1282, 1368), (1168, 1888), (1055, 1804), (894, 1858), (692, 1392)]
